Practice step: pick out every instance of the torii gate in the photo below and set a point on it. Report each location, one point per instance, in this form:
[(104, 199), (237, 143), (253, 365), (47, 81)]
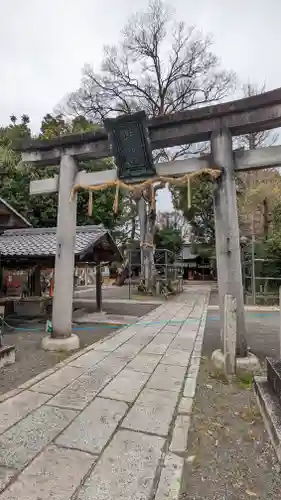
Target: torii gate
[(215, 123)]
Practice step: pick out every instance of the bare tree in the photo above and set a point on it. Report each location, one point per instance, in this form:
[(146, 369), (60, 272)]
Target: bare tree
[(259, 189), (256, 139), (160, 66)]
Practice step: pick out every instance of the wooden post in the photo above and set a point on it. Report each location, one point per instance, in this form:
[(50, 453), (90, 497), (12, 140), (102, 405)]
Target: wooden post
[(98, 288), (229, 334), (227, 234), (37, 281)]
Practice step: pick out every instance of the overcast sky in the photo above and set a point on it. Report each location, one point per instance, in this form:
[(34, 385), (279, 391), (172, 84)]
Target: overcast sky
[(44, 44)]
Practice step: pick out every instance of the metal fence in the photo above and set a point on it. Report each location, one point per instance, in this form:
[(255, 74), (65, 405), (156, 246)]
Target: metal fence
[(259, 287), (166, 271)]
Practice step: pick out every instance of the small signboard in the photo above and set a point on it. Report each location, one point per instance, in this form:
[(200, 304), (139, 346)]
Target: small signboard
[(129, 139)]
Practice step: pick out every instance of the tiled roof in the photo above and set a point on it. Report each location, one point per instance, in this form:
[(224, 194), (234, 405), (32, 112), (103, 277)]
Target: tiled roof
[(42, 241), (15, 212)]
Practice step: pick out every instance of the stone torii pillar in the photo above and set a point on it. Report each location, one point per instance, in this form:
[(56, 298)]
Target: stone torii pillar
[(62, 337), (227, 233)]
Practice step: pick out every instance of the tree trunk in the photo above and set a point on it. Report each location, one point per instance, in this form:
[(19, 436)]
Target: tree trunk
[(149, 266), (143, 224), (133, 220)]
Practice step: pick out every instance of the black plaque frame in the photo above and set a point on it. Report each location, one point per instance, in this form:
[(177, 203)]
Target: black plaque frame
[(130, 144)]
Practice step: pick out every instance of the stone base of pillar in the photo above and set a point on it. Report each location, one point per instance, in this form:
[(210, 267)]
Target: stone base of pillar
[(62, 344), (7, 355), (250, 364)]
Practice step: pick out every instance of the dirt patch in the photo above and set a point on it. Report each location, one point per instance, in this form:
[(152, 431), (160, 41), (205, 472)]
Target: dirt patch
[(229, 453), (31, 359)]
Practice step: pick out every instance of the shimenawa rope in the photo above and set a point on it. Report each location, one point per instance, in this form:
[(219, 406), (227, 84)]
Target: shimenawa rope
[(142, 186)]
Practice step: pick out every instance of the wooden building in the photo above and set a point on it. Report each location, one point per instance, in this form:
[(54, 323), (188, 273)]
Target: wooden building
[(10, 218), (27, 252), (194, 266)]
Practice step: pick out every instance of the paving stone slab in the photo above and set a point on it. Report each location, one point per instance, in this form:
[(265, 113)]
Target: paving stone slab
[(113, 364), (189, 328), (185, 406), (114, 342), (58, 380), (83, 390), (9, 394), (22, 442), (152, 412), (167, 378), (37, 378), (14, 409), (159, 345), (176, 357), (189, 387), (128, 350), (109, 346), (153, 329), (170, 329), (88, 359), (180, 434), (6, 476), (141, 339), (170, 479), (126, 385), (144, 362), (183, 343), (126, 469), (92, 429), (53, 475)]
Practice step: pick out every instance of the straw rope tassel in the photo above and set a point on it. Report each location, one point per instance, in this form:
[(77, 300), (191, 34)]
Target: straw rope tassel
[(153, 197), (116, 199), (90, 203), (142, 186)]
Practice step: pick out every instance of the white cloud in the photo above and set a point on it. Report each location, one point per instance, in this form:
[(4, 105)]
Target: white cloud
[(44, 45)]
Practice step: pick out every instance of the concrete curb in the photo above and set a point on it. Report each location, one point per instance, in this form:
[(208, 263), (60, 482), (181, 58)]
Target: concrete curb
[(251, 308), (270, 409)]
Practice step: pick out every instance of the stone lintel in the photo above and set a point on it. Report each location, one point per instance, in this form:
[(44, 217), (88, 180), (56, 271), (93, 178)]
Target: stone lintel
[(80, 152), (242, 116), (267, 157)]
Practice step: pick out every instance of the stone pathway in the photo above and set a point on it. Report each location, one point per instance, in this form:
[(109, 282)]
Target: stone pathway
[(111, 421)]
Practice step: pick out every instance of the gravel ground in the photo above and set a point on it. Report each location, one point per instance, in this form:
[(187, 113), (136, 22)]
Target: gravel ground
[(30, 357), (229, 454)]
